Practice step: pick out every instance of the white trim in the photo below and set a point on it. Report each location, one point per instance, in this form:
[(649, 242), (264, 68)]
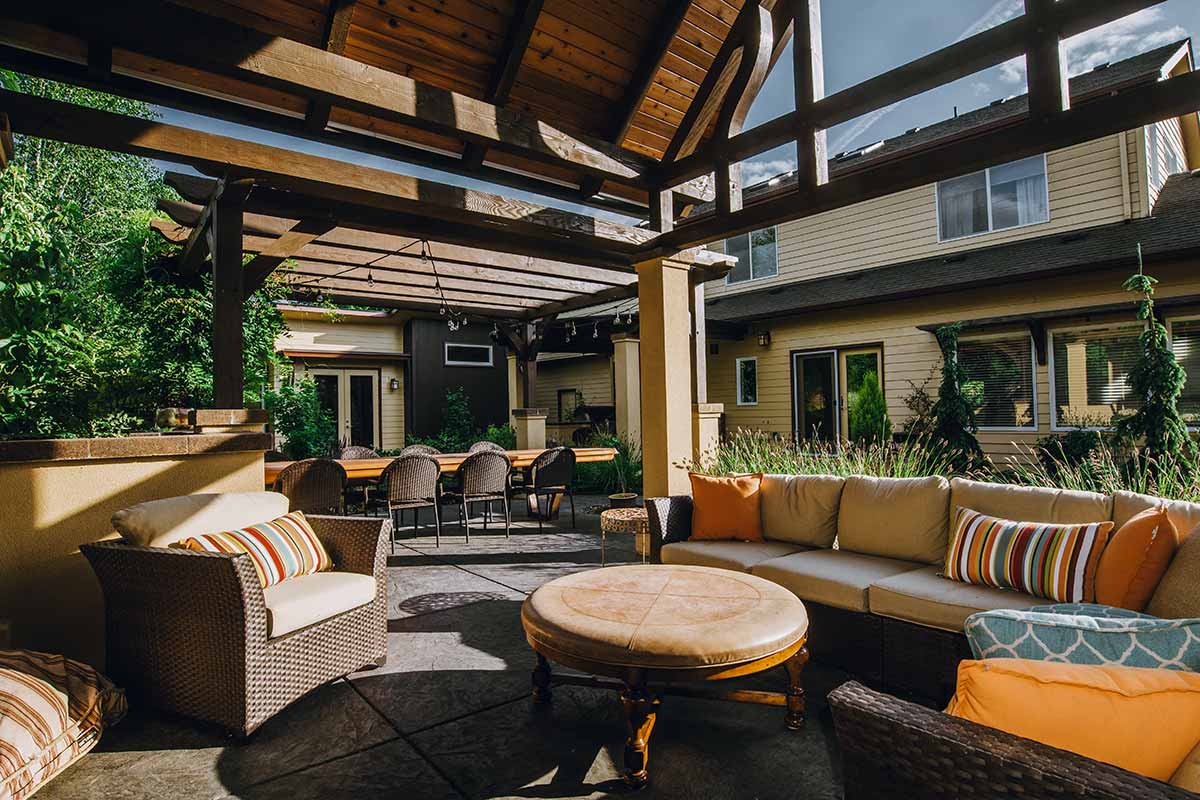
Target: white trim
[(1032, 376), (446, 355), (737, 377), (1054, 426), (987, 177)]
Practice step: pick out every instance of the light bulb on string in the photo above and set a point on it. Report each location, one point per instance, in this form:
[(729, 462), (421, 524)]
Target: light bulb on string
[(617, 318), (596, 330), (572, 327), (370, 279), (442, 311)]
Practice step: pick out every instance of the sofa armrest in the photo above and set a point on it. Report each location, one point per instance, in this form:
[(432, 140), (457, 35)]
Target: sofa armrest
[(356, 544), (893, 748), (670, 520)]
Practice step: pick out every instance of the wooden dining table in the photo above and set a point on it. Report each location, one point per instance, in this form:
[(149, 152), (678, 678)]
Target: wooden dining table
[(364, 469)]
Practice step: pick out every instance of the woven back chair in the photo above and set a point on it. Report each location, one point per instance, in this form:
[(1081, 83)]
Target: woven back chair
[(314, 485), (551, 473), (357, 451), (413, 481), (483, 477), (481, 447), (420, 450)]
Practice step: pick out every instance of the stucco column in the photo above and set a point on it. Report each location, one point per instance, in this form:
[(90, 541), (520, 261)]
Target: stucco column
[(666, 371), (628, 380), (530, 424), (706, 430), (514, 388)]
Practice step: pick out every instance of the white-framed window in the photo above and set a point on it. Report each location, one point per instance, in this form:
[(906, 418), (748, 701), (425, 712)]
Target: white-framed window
[(1185, 343), (1000, 380), (757, 254), (468, 355), (747, 381), (1089, 369), (994, 199)]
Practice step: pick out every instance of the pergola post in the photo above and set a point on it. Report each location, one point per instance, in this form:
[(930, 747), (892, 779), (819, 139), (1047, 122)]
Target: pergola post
[(627, 385), (706, 416), (229, 298), (666, 371)]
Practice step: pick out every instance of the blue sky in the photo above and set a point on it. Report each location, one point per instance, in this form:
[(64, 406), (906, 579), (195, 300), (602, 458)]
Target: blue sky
[(862, 38)]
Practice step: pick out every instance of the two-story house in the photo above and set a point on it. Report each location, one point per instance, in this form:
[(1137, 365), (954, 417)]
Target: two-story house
[(1030, 256)]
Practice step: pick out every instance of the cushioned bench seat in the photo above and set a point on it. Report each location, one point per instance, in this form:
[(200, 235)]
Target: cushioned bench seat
[(922, 597), (831, 577), (739, 556)]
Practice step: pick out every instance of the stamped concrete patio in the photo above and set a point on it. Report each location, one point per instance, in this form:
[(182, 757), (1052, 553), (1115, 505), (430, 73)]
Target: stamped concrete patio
[(450, 716)]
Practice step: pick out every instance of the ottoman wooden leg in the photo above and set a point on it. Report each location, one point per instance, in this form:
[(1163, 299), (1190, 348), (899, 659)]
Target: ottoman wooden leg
[(641, 710), (795, 692), (541, 680)]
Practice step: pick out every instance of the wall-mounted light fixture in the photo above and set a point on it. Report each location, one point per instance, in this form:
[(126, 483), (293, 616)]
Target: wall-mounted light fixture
[(764, 338), (394, 384)]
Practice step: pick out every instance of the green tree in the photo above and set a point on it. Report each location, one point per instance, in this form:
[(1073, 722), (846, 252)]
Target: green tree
[(868, 414), (297, 413), (954, 425), (1158, 380)]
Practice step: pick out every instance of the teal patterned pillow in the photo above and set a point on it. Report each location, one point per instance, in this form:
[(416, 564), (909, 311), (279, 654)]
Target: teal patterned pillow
[(1079, 633)]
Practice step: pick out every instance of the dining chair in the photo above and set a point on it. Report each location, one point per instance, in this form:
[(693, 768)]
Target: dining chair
[(420, 449), (551, 473), (483, 477), (413, 481), (314, 485), (479, 447)]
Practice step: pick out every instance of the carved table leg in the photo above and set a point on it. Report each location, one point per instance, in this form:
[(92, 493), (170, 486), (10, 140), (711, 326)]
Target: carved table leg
[(795, 692), (641, 710), (541, 680)]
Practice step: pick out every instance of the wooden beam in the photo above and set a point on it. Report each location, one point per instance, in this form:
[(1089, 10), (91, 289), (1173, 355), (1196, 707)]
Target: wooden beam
[(99, 59), (524, 20), (7, 149), (379, 288), (196, 250), (259, 268), (973, 54), (662, 211), (229, 300), (758, 44), (648, 65), (1022, 138), (337, 27), (423, 306), (392, 280), (1045, 64), (808, 69), (336, 181)]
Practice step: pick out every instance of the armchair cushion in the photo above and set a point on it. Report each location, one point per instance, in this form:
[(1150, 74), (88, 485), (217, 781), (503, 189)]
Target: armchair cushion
[(1142, 720), (159, 523), (285, 547), (309, 599)]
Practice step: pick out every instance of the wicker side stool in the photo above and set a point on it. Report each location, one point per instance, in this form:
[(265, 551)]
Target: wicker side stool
[(626, 520)]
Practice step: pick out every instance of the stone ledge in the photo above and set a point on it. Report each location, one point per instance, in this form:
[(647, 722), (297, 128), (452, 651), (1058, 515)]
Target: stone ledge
[(24, 450), (530, 412)]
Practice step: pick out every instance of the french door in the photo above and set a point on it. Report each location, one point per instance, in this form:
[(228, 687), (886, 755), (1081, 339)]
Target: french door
[(825, 387), (352, 397)]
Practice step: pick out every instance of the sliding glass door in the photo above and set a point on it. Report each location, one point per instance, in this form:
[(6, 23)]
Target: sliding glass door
[(825, 390), (351, 396)]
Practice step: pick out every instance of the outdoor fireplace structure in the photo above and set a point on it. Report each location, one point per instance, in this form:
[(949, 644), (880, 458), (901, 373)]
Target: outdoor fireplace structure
[(518, 100)]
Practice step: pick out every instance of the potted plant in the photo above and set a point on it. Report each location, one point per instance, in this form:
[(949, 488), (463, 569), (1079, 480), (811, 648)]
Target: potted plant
[(623, 472)]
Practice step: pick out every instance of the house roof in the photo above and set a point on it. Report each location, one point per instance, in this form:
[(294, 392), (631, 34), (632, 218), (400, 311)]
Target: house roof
[(1173, 231)]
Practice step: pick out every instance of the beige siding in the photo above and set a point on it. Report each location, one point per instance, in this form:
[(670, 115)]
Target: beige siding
[(591, 376), (910, 355), (1085, 186)]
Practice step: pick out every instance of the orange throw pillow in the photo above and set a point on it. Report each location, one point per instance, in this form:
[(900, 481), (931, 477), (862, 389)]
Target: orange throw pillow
[(1144, 720), (1135, 560), (726, 508)]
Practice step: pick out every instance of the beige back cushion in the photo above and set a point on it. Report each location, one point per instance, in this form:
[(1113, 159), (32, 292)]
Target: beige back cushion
[(1178, 593), (902, 518), (1027, 503), (801, 508), (1184, 516), (160, 523)]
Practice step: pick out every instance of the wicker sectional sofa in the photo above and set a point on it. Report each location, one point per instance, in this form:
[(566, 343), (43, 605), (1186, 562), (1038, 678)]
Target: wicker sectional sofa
[(864, 554)]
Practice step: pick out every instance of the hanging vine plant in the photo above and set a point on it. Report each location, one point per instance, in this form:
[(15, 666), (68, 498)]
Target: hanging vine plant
[(954, 417)]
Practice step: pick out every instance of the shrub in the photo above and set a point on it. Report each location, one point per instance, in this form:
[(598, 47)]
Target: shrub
[(503, 435), (868, 413), (297, 413), (954, 426), (1073, 448), (622, 474)]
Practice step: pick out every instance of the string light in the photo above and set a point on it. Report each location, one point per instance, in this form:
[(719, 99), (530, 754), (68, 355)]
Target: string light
[(370, 279), (572, 327), (596, 330), (495, 330), (617, 318)]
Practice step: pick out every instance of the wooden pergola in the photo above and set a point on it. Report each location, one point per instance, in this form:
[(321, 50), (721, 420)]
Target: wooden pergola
[(638, 107)]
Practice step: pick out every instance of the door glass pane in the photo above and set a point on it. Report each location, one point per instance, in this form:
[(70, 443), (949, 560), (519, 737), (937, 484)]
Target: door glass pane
[(327, 390), (362, 410), (861, 369), (817, 398), (962, 206)]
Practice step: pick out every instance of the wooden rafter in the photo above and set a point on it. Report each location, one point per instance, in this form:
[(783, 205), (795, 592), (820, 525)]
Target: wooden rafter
[(337, 27), (808, 70), (758, 45), (283, 248), (648, 65)]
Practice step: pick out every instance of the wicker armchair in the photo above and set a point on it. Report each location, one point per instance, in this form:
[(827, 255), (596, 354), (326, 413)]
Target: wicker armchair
[(482, 478), (413, 481), (314, 485), (895, 749), (189, 632), (670, 520), (420, 450), (551, 473)]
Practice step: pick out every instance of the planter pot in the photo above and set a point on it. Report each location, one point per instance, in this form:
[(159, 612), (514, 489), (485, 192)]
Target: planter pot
[(624, 500)]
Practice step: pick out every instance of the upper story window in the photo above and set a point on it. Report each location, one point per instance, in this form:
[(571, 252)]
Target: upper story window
[(1001, 197), (468, 355), (756, 254)]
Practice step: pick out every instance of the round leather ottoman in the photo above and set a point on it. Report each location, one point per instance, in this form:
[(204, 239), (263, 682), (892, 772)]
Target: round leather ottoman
[(649, 625)]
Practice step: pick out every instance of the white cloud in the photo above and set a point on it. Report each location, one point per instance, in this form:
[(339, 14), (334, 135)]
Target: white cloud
[(757, 171)]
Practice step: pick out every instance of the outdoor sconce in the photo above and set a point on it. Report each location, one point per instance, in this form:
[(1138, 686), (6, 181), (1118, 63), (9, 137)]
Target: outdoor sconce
[(764, 338), (394, 384)]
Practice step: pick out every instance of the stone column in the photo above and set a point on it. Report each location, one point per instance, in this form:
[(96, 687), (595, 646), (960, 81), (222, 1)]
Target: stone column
[(706, 430), (666, 371), (514, 388), (627, 380), (530, 424)]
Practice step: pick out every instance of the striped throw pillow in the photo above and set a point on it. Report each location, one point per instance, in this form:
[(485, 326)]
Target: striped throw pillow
[(283, 548), (1054, 561)]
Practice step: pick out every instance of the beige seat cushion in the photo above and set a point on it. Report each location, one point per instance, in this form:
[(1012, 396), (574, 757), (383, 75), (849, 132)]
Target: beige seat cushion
[(1183, 515), (1027, 503), (740, 556), (831, 577), (926, 599), (901, 518), (299, 602), (159, 523), (661, 615), (1178, 593), (802, 509)]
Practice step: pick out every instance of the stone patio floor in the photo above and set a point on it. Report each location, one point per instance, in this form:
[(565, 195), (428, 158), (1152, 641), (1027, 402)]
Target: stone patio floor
[(450, 715)]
